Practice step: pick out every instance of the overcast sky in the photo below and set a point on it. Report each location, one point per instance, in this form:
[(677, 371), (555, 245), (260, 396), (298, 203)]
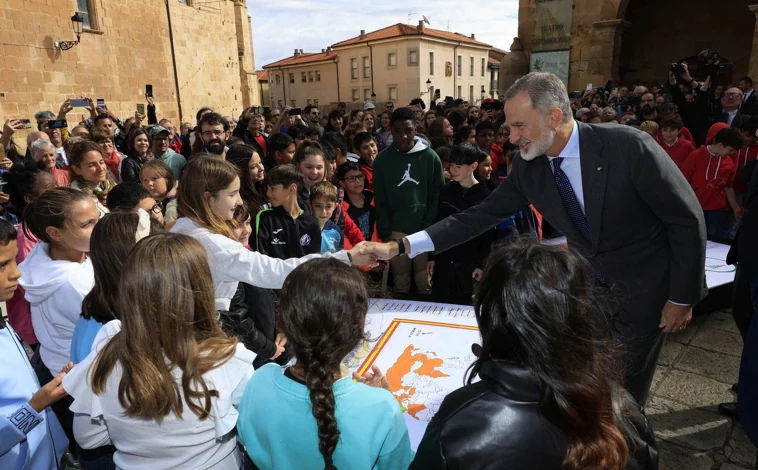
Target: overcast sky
[(281, 26)]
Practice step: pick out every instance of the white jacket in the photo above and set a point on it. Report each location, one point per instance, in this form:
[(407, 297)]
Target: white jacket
[(55, 289), (232, 263)]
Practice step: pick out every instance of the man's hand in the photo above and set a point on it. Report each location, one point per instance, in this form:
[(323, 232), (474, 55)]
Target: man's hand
[(675, 317), (281, 342), (150, 100), (50, 393), (672, 78), (686, 74), (381, 250), (362, 256), (373, 378), (65, 109), (737, 215), (430, 269), (477, 274), (138, 118)]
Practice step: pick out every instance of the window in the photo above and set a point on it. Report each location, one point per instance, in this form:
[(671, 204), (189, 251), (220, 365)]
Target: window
[(413, 57), (354, 69), (366, 94), (310, 76), (471, 94), (356, 95), (292, 78), (460, 66), (459, 92), (366, 67), (431, 63), (318, 76), (315, 101), (293, 103), (392, 59), (280, 102), (484, 65), (392, 93), (83, 8), (471, 67), (278, 79), (303, 77)]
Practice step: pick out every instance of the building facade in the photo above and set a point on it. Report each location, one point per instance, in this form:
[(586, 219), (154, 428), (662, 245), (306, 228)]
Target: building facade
[(594, 40), (193, 53), (263, 88), (397, 63)]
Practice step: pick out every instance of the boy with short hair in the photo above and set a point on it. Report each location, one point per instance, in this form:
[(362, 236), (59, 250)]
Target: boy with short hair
[(358, 202), (365, 145), (323, 203), (131, 196), (281, 151), (286, 231), (453, 271), (675, 145), (711, 171)]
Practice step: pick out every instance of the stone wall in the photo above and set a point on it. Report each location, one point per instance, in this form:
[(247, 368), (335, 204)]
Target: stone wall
[(128, 48)]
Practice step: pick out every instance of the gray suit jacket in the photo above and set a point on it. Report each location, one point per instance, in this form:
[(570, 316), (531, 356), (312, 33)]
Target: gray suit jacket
[(648, 232)]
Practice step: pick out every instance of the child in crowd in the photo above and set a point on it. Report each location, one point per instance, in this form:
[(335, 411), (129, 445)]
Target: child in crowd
[(484, 169), (452, 271), (675, 145), (112, 240), (281, 150), (310, 160), (358, 202), (711, 171), (89, 172), (32, 437), (156, 176), (208, 198), (485, 135), (323, 203), (407, 182), (651, 127), (162, 389), (330, 421), (56, 276), (444, 154), (286, 231), (365, 146), (130, 197), (337, 141), (25, 182)]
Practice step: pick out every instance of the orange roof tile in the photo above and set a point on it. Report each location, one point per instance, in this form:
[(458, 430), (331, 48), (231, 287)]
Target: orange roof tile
[(262, 75), (304, 58), (400, 29)]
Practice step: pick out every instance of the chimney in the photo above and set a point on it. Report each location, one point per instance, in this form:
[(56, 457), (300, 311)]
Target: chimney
[(301, 52), (323, 50), (473, 36), (328, 48), (420, 26), (297, 52), (363, 32)]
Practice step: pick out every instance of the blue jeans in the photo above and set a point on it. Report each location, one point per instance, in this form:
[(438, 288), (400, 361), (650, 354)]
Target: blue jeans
[(720, 225)]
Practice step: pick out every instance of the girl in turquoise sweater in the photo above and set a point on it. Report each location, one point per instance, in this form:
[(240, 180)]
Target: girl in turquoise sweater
[(310, 416)]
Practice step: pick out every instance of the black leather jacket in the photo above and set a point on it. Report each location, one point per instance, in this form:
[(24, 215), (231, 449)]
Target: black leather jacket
[(497, 424), (251, 319)]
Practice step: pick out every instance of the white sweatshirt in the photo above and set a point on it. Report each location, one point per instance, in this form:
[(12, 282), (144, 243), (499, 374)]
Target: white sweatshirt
[(232, 263), (55, 289)]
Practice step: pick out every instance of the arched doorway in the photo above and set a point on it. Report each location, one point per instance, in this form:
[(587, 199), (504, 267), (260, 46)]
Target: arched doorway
[(662, 32)]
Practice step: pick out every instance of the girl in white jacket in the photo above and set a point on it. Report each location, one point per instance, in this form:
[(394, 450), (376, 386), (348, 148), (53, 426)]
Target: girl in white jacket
[(209, 192)]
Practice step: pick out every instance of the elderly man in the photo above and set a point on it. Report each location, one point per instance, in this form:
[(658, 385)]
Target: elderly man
[(619, 200)]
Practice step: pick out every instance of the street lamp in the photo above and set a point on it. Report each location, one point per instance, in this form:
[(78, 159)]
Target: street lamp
[(483, 92), (430, 89), (77, 21), (373, 96)]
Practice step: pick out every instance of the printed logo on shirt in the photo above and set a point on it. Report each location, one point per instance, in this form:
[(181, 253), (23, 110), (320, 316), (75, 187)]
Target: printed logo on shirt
[(276, 241), (305, 240), (407, 177), (275, 232), (24, 420)]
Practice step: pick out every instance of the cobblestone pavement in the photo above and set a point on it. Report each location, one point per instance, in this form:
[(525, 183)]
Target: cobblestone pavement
[(696, 370)]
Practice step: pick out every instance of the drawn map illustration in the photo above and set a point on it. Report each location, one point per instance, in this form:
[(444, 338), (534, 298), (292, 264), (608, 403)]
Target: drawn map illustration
[(423, 362)]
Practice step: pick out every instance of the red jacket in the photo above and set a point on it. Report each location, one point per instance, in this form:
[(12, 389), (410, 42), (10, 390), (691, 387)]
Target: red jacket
[(368, 172), (741, 158), (496, 155), (678, 152), (708, 175)]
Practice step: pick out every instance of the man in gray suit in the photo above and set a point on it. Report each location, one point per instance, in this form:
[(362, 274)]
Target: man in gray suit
[(619, 200)]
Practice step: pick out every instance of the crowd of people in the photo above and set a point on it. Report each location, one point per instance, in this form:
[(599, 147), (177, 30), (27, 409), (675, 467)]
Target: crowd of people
[(188, 297)]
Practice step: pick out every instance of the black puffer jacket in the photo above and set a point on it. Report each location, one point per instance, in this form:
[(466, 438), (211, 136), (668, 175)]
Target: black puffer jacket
[(496, 424), (251, 319)]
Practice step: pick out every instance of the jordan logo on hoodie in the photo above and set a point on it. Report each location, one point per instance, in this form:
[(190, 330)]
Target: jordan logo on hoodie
[(407, 177)]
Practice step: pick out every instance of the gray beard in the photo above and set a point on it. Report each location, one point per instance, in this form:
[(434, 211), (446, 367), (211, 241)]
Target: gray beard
[(539, 147)]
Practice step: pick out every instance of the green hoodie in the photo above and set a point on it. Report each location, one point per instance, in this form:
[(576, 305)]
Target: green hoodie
[(407, 188)]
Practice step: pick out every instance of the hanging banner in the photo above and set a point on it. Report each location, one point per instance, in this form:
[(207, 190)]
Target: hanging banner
[(552, 24), (556, 62)]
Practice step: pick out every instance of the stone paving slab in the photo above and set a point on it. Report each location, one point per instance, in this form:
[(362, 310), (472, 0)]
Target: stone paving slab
[(670, 352), (693, 390), (718, 366), (674, 457), (718, 340), (696, 428)]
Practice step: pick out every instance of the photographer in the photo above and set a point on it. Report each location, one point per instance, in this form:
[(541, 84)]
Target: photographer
[(696, 116)]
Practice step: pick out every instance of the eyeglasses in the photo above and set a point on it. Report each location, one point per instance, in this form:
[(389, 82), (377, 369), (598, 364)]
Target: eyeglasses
[(732, 94), (213, 133), (156, 209), (159, 138), (316, 114), (355, 178)]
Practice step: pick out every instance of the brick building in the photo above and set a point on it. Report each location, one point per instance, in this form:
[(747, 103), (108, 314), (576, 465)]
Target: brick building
[(590, 41), (124, 46)]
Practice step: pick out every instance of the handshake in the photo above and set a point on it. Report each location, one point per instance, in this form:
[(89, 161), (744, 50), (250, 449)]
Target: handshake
[(367, 253)]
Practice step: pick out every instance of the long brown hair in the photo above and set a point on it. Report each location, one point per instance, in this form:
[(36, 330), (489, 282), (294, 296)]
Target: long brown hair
[(166, 307), (537, 307), (76, 155), (205, 174), (322, 311), (51, 209)]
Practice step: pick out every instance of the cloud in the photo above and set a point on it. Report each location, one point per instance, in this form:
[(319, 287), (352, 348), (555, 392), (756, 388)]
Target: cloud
[(282, 26)]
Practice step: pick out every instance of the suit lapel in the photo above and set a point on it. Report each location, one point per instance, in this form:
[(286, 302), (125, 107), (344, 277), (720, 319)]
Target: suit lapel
[(594, 175)]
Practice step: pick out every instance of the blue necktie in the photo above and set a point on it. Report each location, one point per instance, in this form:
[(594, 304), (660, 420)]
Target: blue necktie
[(570, 200)]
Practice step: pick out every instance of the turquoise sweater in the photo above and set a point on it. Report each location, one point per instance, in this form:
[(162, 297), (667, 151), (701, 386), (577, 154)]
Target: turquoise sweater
[(406, 189), (277, 427)]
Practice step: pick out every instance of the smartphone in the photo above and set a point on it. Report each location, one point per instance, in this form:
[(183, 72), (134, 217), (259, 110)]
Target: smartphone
[(79, 102), (296, 112), (141, 108), (101, 103), (149, 90), (57, 124), (25, 124), (589, 86)]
